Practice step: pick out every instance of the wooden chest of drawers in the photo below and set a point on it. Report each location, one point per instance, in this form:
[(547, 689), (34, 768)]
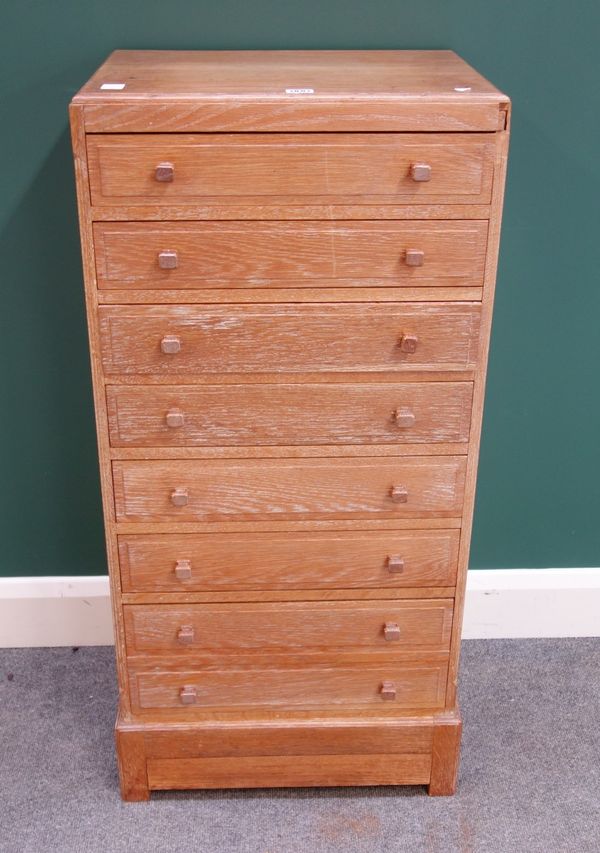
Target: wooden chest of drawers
[(289, 264)]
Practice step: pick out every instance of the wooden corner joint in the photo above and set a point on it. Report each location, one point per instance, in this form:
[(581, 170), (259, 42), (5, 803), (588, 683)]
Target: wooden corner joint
[(445, 754), (448, 717), (133, 774)]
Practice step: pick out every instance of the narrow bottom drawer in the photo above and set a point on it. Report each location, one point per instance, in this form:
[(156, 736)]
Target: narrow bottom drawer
[(391, 684), (284, 771)]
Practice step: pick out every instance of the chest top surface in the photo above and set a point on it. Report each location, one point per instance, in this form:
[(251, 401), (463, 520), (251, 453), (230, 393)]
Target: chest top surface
[(290, 90)]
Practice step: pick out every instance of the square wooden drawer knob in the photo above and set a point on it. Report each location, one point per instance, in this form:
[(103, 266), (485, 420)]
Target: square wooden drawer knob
[(408, 343), (183, 570), (387, 690), (185, 635), (164, 172), (391, 632), (414, 257), (395, 564), (170, 344), (179, 497), (420, 172), (404, 418), (399, 494), (188, 695), (175, 418), (167, 260)]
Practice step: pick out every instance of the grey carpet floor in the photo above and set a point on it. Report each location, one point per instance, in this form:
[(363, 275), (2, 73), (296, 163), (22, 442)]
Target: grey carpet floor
[(529, 782)]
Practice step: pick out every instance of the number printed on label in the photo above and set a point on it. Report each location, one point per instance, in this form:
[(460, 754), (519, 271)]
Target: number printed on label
[(299, 91)]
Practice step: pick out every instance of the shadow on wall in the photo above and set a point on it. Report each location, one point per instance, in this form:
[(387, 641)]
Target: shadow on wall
[(52, 514)]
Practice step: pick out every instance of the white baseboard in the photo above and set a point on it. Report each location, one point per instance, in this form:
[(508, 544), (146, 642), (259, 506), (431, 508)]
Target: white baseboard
[(532, 603), (55, 611), (75, 611)]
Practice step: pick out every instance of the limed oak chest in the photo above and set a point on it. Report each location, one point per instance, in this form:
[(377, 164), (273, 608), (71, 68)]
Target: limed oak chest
[(289, 265)]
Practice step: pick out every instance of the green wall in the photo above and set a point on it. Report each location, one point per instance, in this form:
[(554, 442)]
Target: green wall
[(538, 495)]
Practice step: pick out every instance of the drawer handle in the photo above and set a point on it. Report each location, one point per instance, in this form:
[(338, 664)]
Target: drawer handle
[(391, 632), (404, 418), (188, 694), (399, 494), (164, 172), (179, 497), (420, 172), (185, 635), (183, 570), (408, 343), (395, 564), (170, 344), (175, 418), (387, 690), (414, 257), (167, 260)]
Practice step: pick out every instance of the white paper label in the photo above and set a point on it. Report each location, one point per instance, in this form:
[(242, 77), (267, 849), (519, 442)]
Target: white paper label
[(113, 87), (299, 91)]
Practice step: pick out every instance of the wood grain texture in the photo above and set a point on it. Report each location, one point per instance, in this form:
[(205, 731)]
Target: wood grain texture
[(259, 210), (248, 90), (278, 594), (292, 294), (284, 771), (285, 737), (289, 451), (182, 659), (249, 489), (140, 255), (294, 733), (78, 139), (288, 627), (320, 114), (290, 168), (263, 561), (295, 415), (478, 401), (445, 755), (133, 776), (302, 687), (281, 377), (276, 525), (287, 338)]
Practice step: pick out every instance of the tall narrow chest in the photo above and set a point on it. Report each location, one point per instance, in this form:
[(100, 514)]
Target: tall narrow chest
[(289, 262)]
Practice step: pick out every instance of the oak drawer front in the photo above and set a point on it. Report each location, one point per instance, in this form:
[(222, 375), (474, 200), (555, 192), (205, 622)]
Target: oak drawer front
[(284, 627), (288, 489), (307, 414), (170, 169), (302, 560), (200, 340), (393, 684), (139, 255)]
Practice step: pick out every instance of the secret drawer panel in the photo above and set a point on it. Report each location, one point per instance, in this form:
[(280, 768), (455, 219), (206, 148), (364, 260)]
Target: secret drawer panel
[(138, 255), (307, 414), (348, 168), (203, 340), (302, 560), (290, 489), (297, 687), (286, 627)]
